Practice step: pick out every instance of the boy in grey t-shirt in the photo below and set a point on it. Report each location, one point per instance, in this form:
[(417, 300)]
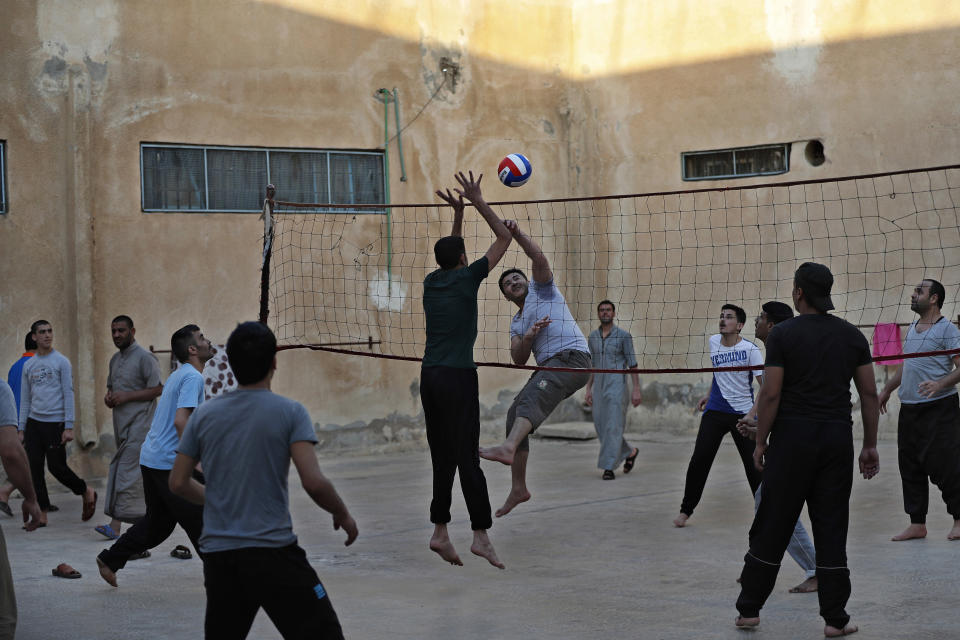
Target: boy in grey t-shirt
[(245, 440)]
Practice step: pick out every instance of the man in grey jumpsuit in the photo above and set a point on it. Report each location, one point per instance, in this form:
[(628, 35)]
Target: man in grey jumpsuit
[(612, 348)]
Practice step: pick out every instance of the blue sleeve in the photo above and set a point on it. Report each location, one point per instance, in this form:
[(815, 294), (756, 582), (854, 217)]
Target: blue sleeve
[(302, 427), (189, 444), (190, 394), (545, 290)]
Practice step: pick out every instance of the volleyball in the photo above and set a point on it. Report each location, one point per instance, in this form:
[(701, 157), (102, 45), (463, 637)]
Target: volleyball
[(514, 170)]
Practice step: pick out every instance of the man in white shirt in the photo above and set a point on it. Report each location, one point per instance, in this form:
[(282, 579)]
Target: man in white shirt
[(730, 397)]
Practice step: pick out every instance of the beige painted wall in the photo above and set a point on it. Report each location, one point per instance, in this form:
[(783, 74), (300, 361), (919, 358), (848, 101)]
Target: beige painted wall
[(602, 96)]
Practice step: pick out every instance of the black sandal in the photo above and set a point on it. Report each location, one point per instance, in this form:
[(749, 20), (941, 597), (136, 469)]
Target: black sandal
[(181, 552), (628, 463), (608, 475)]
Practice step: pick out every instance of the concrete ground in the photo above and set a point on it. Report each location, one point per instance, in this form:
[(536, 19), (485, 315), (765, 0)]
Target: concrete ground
[(585, 559)]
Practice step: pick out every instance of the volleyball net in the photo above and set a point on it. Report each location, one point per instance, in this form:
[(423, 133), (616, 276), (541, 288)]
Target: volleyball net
[(349, 278)]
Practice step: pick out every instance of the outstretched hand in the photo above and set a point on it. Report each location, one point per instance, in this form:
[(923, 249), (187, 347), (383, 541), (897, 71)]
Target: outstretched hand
[(513, 228), (471, 188), (537, 326), (454, 201)]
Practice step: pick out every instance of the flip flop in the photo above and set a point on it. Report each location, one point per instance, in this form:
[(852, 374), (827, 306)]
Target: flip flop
[(89, 508), (181, 552), (6, 508), (64, 570), (106, 531), (632, 458)]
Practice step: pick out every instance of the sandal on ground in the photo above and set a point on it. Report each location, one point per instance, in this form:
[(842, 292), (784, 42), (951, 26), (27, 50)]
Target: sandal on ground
[(6, 508), (53, 508), (631, 459), (106, 531), (64, 570), (89, 508), (608, 475), (181, 552), (139, 556)]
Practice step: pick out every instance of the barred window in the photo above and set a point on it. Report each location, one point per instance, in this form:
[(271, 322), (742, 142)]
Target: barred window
[(743, 162), (232, 179), (3, 177)]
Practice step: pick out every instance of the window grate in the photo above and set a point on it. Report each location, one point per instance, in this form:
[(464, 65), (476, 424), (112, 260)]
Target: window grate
[(232, 179), (741, 162)]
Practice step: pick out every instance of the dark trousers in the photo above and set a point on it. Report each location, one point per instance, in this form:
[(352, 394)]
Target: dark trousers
[(928, 446), (451, 409), (807, 461), (41, 440), (164, 512), (240, 581), (713, 426)]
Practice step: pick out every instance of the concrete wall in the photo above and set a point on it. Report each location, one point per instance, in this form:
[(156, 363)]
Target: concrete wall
[(605, 96)]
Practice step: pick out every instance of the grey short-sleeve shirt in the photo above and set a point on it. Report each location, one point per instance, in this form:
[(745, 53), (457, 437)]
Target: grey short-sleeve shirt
[(243, 439), (942, 336), (8, 406)]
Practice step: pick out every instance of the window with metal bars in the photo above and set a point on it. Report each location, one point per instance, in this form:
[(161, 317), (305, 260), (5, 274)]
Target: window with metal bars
[(742, 162), (232, 179)]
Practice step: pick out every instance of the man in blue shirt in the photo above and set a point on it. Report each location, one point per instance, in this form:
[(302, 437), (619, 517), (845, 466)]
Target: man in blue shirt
[(182, 393)]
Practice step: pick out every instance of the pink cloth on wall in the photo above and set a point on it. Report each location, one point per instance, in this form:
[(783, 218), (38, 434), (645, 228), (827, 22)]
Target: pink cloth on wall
[(886, 342)]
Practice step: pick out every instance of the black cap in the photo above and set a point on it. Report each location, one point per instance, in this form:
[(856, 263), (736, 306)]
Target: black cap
[(816, 281)]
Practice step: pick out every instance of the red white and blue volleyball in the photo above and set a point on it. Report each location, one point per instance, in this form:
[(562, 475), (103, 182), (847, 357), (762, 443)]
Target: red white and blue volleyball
[(514, 170)]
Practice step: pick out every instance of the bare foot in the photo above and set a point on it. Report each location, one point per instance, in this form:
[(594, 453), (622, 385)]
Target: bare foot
[(441, 545), (513, 499), (681, 521), (807, 586), (955, 532), (106, 573), (501, 453), (833, 632), (482, 547), (911, 532), (746, 623)]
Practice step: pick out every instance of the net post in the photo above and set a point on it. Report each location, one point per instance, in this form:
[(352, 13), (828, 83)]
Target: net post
[(267, 217)]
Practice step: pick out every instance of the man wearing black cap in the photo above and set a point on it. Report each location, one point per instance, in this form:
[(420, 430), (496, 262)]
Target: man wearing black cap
[(449, 389), (805, 401)]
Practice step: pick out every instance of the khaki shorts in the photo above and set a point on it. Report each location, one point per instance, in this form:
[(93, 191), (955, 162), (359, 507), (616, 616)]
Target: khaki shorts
[(546, 389)]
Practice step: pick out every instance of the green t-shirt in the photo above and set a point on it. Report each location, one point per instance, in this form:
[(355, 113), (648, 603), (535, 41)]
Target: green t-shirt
[(450, 306)]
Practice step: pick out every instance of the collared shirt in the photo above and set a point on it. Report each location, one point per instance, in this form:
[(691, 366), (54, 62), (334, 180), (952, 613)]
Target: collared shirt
[(613, 352), (562, 334)]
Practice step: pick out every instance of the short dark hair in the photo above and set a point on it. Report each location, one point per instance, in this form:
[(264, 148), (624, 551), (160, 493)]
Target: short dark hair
[(603, 302), (29, 344), (508, 272), (741, 314), (936, 289), (448, 250), (123, 318), (36, 325), (182, 340), (777, 311), (251, 349)]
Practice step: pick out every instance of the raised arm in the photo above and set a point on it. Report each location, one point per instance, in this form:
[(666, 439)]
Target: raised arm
[(471, 191), (458, 205), (538, 261)]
